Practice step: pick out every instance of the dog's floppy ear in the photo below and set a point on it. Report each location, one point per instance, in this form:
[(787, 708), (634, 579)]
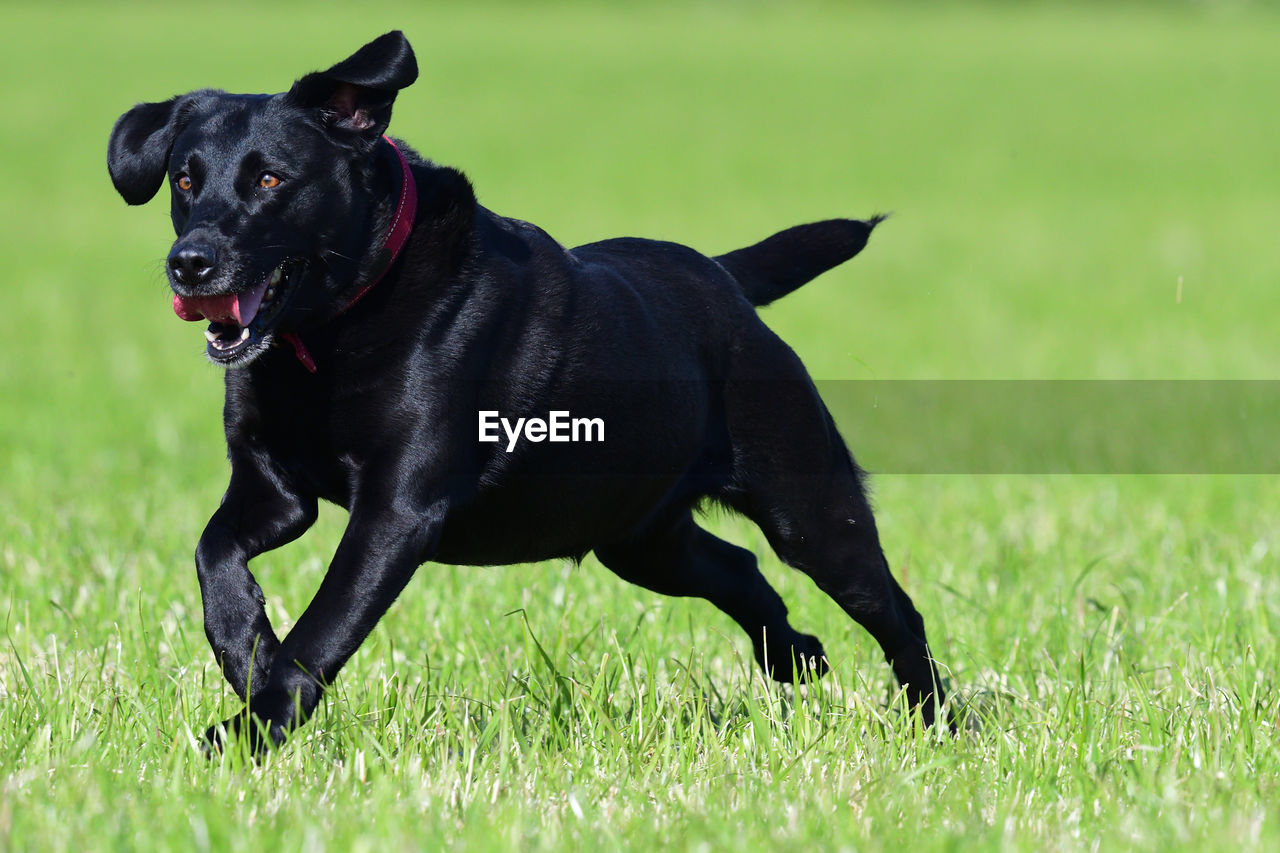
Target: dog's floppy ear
[(355, 96), (138, 153)]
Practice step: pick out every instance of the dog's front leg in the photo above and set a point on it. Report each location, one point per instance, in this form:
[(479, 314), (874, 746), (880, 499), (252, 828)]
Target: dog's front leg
[(258, 513), (379, 552)]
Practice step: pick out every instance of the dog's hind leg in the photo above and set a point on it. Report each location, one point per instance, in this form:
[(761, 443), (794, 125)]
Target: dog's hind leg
[(680, 558), (795, 478)]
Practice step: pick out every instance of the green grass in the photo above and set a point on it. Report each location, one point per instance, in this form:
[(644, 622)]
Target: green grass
[(1055, 171)]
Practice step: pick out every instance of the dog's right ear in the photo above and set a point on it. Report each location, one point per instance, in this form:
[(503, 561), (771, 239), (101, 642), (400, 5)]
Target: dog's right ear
[(355, 96), (138, 153)]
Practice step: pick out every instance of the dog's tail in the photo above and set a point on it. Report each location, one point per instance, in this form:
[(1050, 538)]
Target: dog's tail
[(779, 264)]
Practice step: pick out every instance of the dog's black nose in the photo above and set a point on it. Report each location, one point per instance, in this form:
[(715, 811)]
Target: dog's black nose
[(192, 264)]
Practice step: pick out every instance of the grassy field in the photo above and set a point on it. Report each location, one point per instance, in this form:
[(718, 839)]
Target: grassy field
[(1085, 191)]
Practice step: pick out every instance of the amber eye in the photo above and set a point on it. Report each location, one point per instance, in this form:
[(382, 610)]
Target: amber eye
[(268, 181), (184, 183)]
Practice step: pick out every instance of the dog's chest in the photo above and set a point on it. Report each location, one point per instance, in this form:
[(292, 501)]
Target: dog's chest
[(321, 433)]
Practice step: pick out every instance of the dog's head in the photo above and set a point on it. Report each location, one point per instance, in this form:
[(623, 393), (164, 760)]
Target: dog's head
[(272, 195)]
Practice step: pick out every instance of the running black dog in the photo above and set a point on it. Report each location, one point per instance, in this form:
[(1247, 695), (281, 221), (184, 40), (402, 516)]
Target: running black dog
[(387, 333)]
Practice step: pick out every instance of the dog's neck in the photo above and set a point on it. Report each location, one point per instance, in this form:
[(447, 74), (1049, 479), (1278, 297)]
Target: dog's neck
[(397, 236)]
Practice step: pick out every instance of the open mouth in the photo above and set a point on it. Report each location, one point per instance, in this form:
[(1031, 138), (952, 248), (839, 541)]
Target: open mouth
[(238, 321)]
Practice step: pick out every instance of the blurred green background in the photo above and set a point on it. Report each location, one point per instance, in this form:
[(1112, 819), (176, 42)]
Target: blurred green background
[(1059, 173), (1079, 190)]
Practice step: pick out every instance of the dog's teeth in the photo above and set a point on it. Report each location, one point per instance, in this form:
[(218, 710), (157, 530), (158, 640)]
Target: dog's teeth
[(210, 335), (275, 277), (244, 333)]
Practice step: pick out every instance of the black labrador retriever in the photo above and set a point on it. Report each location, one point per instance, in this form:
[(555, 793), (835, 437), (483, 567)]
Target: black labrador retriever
[(473, 393)]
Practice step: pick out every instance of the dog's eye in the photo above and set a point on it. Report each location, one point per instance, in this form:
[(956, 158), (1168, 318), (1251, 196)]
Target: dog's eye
[(268, 181), (184, 183)]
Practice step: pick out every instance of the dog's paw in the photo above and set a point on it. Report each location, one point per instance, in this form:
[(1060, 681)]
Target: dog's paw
[(799, 657), (256, 735)]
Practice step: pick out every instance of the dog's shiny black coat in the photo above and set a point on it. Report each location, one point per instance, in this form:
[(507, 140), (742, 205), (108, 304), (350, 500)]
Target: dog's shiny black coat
[(698, 398)]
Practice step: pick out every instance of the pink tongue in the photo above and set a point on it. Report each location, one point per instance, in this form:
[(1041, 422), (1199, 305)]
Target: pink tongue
[(230, 308)]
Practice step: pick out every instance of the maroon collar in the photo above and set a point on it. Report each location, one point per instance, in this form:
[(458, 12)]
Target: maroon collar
[(397, 237)]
